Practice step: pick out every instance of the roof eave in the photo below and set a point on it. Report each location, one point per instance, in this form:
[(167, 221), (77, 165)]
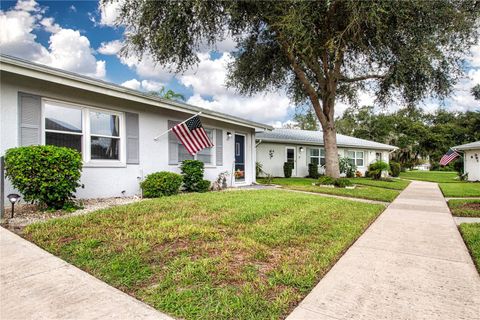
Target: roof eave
[(322, 144), (15, 65)]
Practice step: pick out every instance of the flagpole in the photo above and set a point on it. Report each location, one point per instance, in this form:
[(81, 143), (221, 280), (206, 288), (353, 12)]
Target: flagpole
[(157, 137)]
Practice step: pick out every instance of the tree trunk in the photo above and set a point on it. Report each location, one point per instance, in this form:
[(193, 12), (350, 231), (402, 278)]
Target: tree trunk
[(332, 168)]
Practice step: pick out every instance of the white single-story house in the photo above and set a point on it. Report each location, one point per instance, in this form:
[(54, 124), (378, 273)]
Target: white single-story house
[(114, 129), (302, 147), (471, 159)]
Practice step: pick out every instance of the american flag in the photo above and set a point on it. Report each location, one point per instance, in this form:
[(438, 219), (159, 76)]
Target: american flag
[(448, 157), (192, 135)]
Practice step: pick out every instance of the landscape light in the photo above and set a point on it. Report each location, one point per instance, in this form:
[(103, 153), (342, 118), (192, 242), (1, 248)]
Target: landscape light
[(13, 198)]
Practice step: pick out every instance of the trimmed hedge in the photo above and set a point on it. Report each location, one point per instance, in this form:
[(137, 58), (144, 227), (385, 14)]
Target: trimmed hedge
[(287, 169), (313, 171), (48, 175), (192, 171), (160, 184), (395, 168)]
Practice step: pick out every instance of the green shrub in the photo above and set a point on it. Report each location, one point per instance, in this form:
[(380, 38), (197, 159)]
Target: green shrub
[(326, 180), (342, 182), (48, 175), (287, 169), (347, 167), (313, 171), (203, 186), (375, 169), (161, 184), (192, 171), (395, 168)]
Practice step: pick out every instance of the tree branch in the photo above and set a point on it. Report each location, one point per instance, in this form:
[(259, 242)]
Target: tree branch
[(343, 78), (312, 93)]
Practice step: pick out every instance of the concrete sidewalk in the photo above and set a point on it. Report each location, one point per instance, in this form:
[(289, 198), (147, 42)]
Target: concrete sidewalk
[(37, 285), (410, 264)]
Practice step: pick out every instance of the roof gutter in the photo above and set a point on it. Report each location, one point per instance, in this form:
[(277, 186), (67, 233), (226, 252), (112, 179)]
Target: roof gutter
[(19, 66)]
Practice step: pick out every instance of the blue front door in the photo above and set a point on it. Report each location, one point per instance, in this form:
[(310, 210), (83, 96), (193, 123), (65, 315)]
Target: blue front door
[(239, 157)]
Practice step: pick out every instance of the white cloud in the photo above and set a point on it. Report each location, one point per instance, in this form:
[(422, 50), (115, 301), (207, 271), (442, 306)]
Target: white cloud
[(109, 12), (208, 79), (68, 49), (27, 5), (111, 47), (147, 68), (132, 84), (144, 85), (50, 25), (149, 85), (72, 8)]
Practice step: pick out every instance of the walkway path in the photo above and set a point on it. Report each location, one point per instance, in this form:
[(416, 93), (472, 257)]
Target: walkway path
[(37, 285), (410, 264)]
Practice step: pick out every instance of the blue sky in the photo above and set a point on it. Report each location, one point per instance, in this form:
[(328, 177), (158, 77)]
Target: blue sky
[(80, 36)]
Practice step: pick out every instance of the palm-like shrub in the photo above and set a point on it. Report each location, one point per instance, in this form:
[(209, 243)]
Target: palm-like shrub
[(375, 169)]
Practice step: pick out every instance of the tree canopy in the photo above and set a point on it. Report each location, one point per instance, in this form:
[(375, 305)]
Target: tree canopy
[(318, 51), (417, 134)]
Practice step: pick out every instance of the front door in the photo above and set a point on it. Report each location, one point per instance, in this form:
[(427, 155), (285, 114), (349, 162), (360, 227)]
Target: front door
[(290, 157), (239, 158)]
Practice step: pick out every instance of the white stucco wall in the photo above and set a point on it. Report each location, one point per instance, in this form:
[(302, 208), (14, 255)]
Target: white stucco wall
[(274, 165), (471, 163), (111, 181)]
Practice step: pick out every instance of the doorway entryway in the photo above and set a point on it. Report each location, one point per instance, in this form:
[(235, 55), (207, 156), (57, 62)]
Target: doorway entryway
[(290, 156), (239, 158)]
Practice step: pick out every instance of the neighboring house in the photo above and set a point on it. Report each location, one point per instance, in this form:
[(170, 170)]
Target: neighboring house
[(114, 129), (302, 147), (471, 159)]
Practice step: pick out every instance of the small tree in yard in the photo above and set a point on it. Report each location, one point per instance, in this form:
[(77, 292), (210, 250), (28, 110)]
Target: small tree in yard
[(320, 52), (48, 175)]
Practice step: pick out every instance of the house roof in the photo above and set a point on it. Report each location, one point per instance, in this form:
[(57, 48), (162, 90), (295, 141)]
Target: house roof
[(468, 146), (38, 71), (316, 138)]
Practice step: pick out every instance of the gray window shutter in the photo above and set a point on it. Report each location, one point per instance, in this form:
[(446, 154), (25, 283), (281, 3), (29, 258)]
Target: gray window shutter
[(133, 138), (172, 144), (30, 117), (219, 147)]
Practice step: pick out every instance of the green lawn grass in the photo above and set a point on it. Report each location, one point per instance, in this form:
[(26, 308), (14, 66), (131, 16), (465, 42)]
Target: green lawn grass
[(361, 191), (464, 189), (433, 176), (471, 235), (218, 255), (465, 207), (395, 184)]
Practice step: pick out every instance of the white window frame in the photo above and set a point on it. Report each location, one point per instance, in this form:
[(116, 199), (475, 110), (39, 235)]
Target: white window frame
[(213, 150), (319, 157), (355, 157), (86, 134)]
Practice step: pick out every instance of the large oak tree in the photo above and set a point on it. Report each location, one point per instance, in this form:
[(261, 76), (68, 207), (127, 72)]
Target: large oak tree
[(320, 52)]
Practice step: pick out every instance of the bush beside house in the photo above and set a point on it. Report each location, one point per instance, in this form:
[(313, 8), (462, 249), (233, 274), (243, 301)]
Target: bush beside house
[(287, 169), (375, 169), (47, 175), (192, 171), (161, 184)]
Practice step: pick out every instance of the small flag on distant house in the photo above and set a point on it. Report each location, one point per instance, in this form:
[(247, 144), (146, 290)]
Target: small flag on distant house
[(192, 135), (448, 157)]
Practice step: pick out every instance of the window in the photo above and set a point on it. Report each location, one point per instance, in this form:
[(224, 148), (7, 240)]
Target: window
[(355, 158), (104, 136), (63, 126), (205, 155), (317, 156), (94, 133), (378, 156)]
